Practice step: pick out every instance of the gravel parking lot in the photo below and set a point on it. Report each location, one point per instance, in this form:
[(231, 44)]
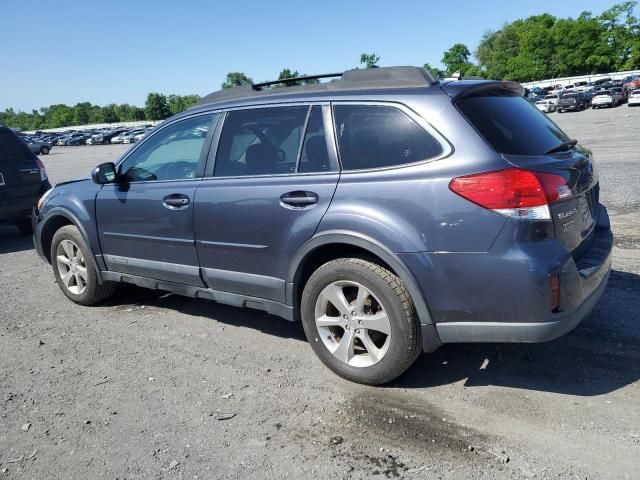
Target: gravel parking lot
[(153, 385)]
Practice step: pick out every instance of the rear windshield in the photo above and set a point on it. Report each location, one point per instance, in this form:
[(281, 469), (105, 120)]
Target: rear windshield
[(12, 148), (511, 125), (600, 94)]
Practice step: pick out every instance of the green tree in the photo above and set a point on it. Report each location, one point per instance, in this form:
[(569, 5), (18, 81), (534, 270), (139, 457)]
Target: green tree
[(369, 60), (456, 59), (236, 79), (109, 114), (179, 103), (156, 107), (435, 72), (81, 113)]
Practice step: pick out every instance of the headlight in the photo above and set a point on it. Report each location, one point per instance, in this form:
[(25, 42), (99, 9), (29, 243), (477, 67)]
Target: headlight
[(43, 198)]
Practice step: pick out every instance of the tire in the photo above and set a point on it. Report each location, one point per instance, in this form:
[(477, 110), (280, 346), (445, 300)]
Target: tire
[(68, 243), (24, 225), (385, 300), (44, 150)]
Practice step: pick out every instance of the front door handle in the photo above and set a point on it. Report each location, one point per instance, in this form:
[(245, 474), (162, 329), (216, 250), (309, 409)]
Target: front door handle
[(175, 201), (299, 199)]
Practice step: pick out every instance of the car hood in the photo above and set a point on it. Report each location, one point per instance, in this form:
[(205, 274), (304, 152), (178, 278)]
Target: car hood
[(75, 180)]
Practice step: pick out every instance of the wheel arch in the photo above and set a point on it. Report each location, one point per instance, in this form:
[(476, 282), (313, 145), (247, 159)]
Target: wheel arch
[(57, 218), (334, 244)]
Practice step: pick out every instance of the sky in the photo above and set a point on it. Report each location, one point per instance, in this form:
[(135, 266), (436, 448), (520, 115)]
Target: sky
[(118, 51)]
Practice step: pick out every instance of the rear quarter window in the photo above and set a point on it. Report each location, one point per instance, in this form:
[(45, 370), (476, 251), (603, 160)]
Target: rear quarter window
[(375, 136), (511, 125)]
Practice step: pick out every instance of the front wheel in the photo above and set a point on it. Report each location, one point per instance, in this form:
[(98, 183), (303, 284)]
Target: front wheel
[(360, 321), (74, 268), (44, 150)]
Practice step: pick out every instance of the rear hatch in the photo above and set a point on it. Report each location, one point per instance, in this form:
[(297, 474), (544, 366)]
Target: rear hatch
[(20, 174), (528, 139)]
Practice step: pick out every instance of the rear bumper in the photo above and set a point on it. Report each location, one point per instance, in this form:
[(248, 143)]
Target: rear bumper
[(504, 295)]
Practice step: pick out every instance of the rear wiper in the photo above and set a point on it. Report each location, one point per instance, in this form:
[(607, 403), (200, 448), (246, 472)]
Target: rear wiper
[(568, 145)]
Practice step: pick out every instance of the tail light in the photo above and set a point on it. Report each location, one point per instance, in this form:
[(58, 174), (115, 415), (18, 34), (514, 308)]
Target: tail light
[(513, 192), (42, 169)]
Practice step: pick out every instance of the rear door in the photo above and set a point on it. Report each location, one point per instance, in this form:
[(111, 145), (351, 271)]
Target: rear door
[(20, 179), (274, 176), (526, 137)]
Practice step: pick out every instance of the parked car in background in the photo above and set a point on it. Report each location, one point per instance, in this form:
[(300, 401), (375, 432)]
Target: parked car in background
[(573, 101), (634, 98), (505, 240), (106, 136), (546, 106), (142, 134), (119, 138), (604, 98), (129, 137), (620, 93), (76, 139), (632, 83), (39, 148), (552, 98), (23, 179)]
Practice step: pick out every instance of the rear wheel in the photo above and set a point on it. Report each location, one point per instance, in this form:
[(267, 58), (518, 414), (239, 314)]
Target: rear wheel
[(24, 225), (44, 150), (74, 268), (360, 320)]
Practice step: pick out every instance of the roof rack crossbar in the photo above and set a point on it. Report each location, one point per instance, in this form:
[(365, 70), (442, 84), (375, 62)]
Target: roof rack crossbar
[(260, 86)]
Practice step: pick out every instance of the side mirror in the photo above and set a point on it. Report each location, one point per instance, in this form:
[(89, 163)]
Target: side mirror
[(104, 173)]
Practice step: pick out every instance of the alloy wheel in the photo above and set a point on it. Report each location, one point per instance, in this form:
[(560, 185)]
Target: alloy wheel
[(352, 323), (71, 267)]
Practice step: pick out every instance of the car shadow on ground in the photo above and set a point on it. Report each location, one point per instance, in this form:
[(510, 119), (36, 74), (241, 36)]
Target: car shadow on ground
[(13, 241), (600, 356), (127, 295)]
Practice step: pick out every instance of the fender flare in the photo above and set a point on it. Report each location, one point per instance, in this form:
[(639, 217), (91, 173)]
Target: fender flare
[(63, 212), (371, 245)]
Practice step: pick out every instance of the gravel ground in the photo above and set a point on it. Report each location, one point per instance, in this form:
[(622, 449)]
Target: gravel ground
[(153, 385)]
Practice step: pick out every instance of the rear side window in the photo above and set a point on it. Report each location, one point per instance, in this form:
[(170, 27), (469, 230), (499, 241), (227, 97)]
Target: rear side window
[(260, 141), (374, 136), (511, 125), (12, 148)]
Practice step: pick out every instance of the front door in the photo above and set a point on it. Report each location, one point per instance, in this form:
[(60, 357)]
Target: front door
[(274, 177), (145, 220)]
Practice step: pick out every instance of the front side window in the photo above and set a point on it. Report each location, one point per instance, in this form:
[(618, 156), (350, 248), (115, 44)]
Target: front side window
[(375, 136), (171, 154), (260, 141)]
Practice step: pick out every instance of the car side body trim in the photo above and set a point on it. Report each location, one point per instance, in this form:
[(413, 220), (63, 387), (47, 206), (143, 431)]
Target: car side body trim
[(233, 299)]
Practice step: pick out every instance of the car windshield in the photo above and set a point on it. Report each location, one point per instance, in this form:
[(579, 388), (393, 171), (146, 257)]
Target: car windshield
[(601, 94), (570, 95)]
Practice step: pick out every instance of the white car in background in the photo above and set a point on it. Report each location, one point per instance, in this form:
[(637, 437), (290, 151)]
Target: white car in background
[(546, 106), (634, 98), (552, 98)]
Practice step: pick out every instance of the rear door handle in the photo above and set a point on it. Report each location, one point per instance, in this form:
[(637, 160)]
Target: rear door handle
[(299, 198), (175, 201)]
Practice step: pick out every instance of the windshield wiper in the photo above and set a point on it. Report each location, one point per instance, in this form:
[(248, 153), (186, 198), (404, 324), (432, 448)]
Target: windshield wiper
[(568, 145)]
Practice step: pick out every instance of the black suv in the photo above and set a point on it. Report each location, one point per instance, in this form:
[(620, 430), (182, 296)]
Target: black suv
[(23, 179)]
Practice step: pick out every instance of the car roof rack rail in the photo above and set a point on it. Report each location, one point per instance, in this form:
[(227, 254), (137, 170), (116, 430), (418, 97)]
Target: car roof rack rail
[(259, 86), (350, 80)]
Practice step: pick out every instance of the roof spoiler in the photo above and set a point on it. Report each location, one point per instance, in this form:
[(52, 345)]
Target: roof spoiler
[(474, 88)]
